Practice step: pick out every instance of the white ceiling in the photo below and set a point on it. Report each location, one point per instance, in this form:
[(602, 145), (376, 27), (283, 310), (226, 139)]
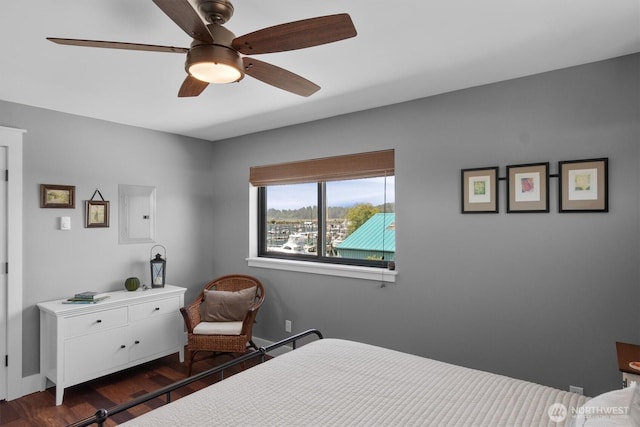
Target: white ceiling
[(405, 49)]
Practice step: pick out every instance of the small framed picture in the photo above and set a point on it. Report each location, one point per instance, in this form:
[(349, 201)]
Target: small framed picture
[(57, 196), (97, 214), (584, 185), (480, 190), (528, 188)]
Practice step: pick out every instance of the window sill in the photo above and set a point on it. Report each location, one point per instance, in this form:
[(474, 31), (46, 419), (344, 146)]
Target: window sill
[(352, 271)]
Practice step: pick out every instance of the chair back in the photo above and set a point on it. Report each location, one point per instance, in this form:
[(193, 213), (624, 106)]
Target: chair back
[(234, 283)]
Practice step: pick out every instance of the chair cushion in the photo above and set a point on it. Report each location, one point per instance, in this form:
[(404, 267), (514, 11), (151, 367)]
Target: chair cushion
[(218, 328), (226, 306)]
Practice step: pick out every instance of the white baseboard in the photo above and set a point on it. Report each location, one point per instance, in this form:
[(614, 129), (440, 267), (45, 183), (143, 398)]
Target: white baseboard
[(28, 385)]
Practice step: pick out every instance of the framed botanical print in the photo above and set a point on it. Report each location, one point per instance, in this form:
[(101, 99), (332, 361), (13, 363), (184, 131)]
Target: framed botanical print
[(479, 190), (584, 185), (528, 188)]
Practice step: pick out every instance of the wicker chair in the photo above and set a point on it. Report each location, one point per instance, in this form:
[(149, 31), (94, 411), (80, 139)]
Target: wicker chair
[(228, 337)]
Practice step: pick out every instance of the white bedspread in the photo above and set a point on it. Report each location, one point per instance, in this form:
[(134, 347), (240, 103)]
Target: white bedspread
[(341, 383)]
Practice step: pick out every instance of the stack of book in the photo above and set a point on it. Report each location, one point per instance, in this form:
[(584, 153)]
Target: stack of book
[(87, 297)]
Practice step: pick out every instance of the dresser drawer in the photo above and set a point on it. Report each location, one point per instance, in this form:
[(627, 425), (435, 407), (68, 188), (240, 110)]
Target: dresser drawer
[(87, 356), (149, 309), (94, 322), (155, 335)]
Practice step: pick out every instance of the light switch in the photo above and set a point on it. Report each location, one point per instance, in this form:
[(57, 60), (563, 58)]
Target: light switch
[(65, 223)]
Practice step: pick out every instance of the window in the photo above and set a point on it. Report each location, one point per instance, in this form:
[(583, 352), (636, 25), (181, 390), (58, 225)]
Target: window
[(338, 210)]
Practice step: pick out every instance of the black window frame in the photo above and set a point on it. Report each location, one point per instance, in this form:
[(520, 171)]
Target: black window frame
[(319, 256)]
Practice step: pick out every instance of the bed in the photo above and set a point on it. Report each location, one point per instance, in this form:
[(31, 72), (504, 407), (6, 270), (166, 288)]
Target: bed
[(339, 382)]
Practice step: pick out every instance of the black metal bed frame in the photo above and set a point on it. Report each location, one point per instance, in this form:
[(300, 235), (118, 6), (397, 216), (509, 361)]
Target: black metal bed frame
[(102, 414)]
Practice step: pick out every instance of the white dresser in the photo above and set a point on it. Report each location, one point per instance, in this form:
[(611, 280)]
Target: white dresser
[(80, 342)]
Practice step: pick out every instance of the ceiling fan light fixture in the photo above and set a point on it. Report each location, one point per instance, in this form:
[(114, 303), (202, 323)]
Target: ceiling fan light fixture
[(212, 72), (214, 64)]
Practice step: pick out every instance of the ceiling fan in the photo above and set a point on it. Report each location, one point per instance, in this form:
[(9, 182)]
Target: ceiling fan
[(216, 55)]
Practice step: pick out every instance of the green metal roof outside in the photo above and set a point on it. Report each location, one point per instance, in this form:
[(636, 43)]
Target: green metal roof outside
[(369, 237)]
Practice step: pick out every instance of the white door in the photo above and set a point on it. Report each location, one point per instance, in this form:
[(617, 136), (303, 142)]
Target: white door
[(3, 272)]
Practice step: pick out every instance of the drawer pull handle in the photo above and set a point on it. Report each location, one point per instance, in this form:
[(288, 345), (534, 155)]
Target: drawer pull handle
[(137, 342), (98, 321), (157, 308), (123, 346)]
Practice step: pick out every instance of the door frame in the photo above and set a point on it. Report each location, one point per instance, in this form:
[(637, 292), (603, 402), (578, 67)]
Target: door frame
[(12, 139)]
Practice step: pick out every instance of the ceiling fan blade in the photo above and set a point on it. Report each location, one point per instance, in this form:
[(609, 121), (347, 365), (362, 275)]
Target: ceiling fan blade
[(278, 77), (118, 45), (191, 87), (182, 13), (296, 35)]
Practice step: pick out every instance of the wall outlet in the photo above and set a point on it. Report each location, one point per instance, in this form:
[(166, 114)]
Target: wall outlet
[(576, 390), (287, 325)]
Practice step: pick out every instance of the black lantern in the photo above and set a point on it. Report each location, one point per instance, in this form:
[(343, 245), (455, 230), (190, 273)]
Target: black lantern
[(158, 268)]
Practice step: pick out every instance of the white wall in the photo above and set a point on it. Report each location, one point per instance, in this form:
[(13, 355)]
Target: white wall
[(541, 297)]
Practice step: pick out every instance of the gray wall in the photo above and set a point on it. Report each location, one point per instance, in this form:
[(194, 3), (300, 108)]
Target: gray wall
[(541, 297), (71, 150)]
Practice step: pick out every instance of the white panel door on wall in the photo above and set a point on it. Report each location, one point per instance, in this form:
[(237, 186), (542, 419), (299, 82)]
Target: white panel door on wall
[(3, 272)]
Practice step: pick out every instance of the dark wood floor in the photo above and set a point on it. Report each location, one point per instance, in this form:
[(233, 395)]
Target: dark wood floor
[(83, 400)]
